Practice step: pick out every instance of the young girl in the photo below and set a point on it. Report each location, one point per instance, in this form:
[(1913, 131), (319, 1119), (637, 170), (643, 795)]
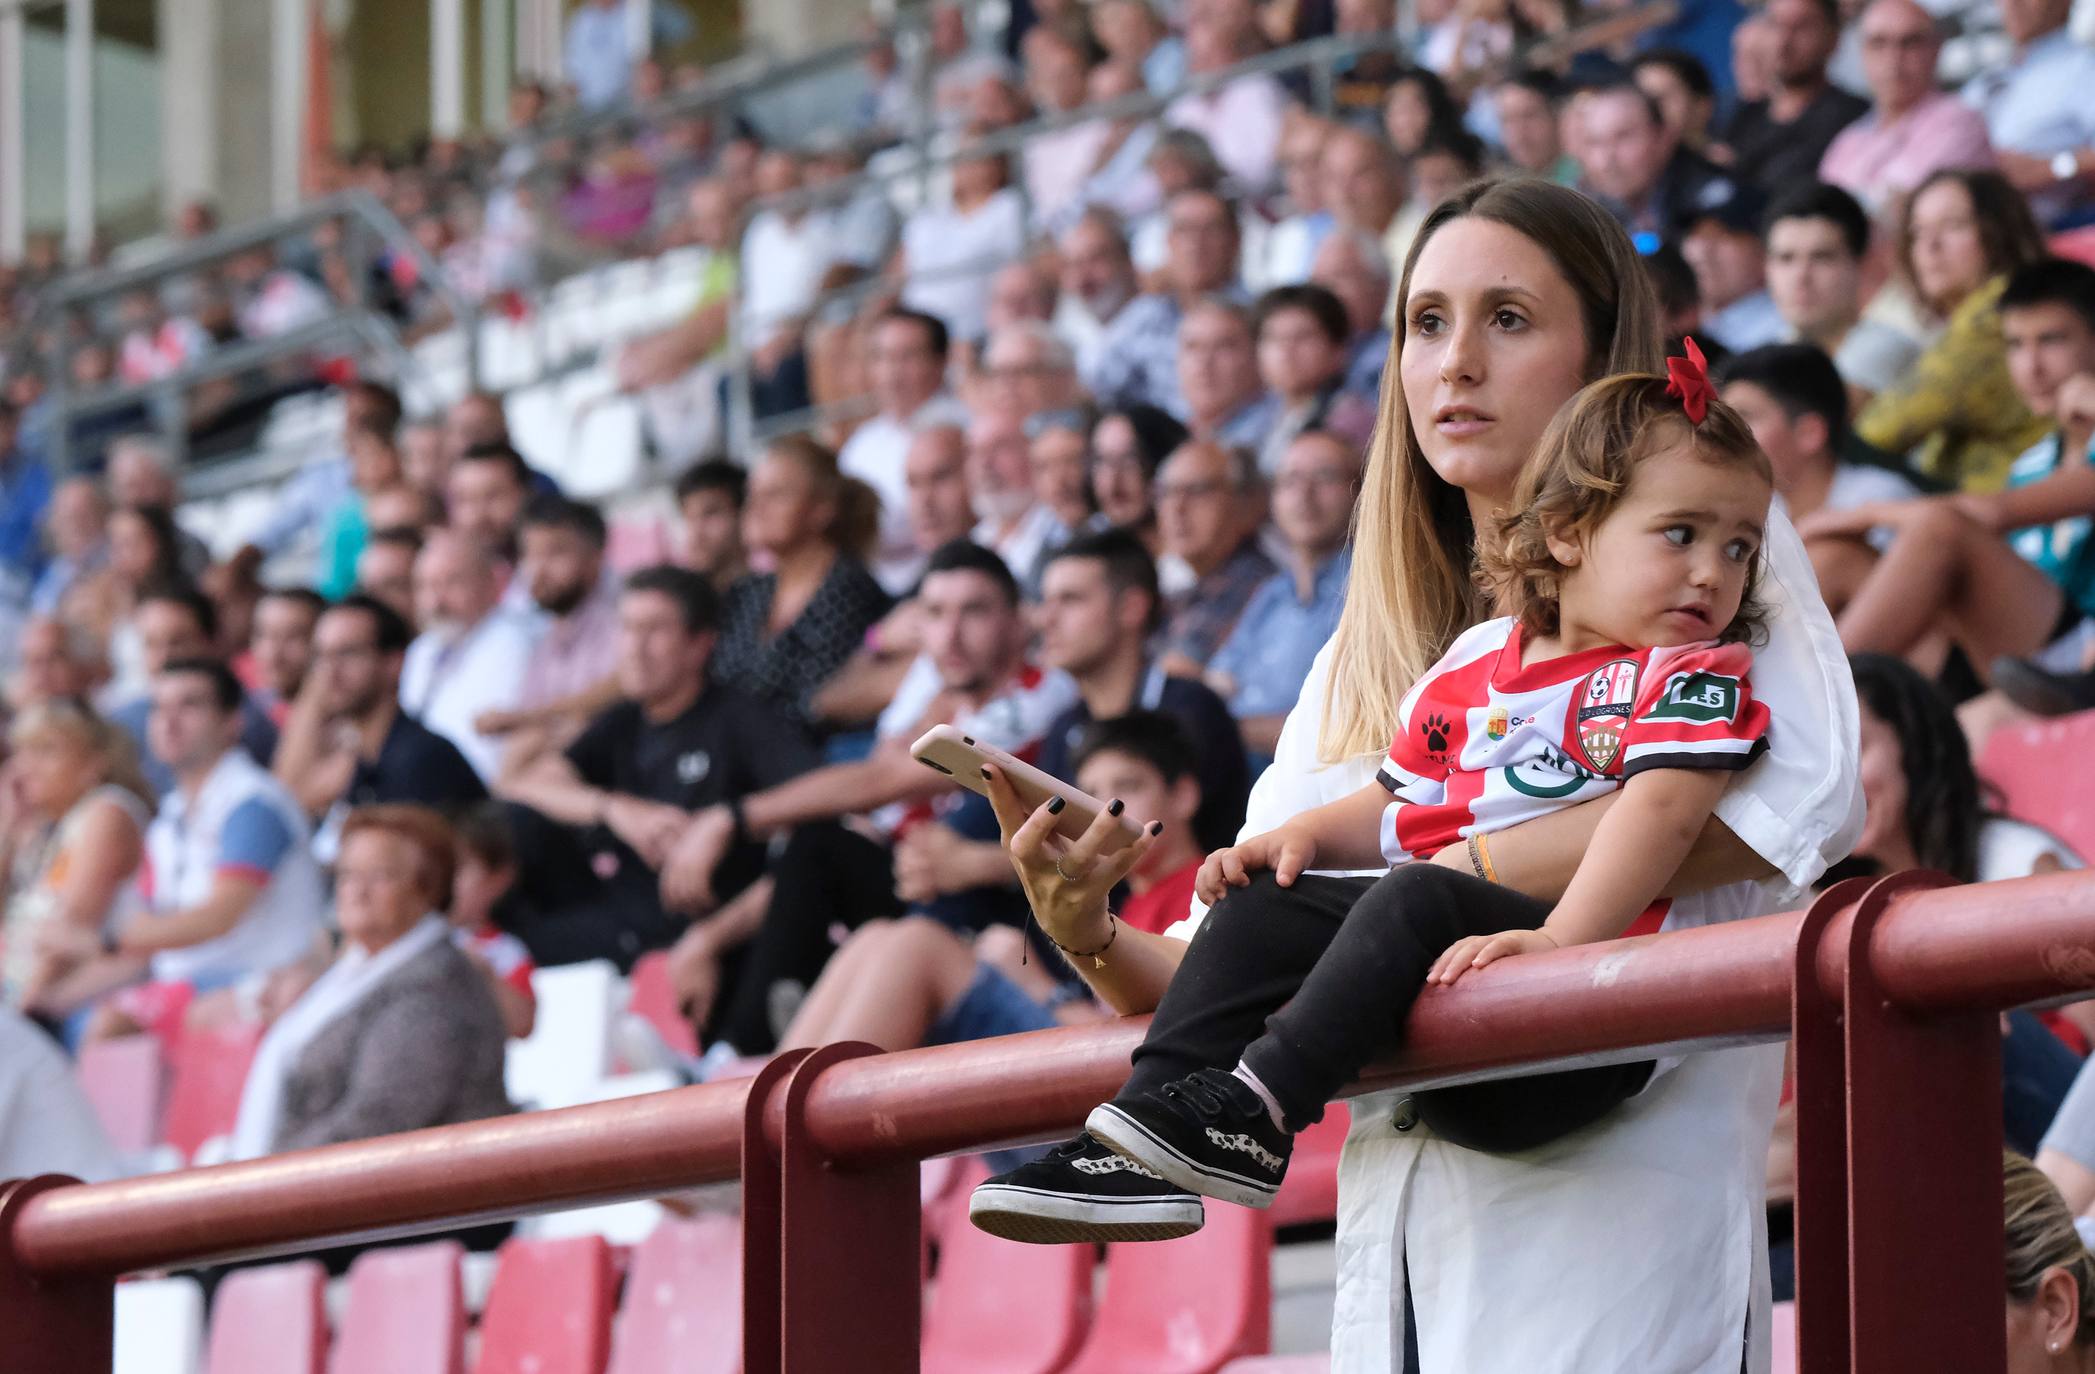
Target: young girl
[(1627, 571)]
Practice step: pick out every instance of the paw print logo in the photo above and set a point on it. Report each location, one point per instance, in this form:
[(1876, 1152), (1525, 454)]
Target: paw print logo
[(1436, 729)]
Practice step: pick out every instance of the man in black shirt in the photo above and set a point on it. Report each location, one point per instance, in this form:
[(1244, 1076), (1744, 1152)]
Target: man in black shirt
[(1778, 143), (595, 822), (347, 743)]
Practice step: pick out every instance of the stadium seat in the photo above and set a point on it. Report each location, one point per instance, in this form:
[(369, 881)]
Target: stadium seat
[(2023, 762), (123, 1080), (271, 1320), (210, 1069), (1185, 1306), (656, 1002), (569, 1048), (2077, 244), (1310, 1192), (405, 1314), (550, 1309), (683, 1305), (1783, 1336), (1003, 1308), (159, 1327), (607, 445)]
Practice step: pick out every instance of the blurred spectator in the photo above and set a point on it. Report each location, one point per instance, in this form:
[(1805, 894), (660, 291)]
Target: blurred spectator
[(1218, 376), (374, 466), (1026, 368), (1012, 525), (862, 223), (1058, 450), (1058, 163), (1913, 129), (677, 369), (785, 631), (424, 459), (1438, 170), (1363, 184), (386, 569), (1629, 163), (156, 344), (975, 675), (74, 542), (709, 501), (1099, 605), (400, 1032), (1261, 666), (1241, 119), (273, 300), (47, 1124), (1777, 142), (348, 743), (2038, 114), (907, 369), (1132, 32), (142, 554), (1210, 504), (597, 56), (606, 810), (281, 646), (1705, 30), (1180, 160), (56, 658), (1680, 86), (958, 66), (1526, 105), (471, 655), (2003, 572), (1721, 241), (941, 501), (141, 477), (1128, 446), (887, 110), (785, 253), (1021, 292), (1138, 361), (483, 895), (569, 678), (1097, 280), (484, 498), (475, 420), (1963, 234), (1418, 109), (1303, 209), (235, 894), (72, 836), (1302, 354), (175, 623), (1817, 238), (949, 254), (1352, 267)]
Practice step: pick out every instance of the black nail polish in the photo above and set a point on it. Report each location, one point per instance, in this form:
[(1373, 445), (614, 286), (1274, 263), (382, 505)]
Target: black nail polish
[(1156, 827), (1117, 807), (985, 775), (1055, 807)]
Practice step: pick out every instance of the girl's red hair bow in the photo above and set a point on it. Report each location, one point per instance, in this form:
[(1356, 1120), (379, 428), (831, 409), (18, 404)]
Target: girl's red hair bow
[(1688, 378)]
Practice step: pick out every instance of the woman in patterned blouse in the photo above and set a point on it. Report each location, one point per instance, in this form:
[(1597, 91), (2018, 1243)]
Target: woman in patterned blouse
[(785, 631)]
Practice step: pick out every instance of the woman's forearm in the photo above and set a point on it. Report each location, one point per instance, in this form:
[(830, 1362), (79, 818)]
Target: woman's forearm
[(1136, 968), (1539, 856)]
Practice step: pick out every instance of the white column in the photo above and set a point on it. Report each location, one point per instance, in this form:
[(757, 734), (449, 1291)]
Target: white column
[(640, 34), (189, 100), (447, 67), (496, 64), (79, 126), (288, 39), (13, 143)]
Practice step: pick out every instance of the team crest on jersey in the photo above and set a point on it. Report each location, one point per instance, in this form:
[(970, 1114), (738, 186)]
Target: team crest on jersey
[(1495, 722), (1604, 706)]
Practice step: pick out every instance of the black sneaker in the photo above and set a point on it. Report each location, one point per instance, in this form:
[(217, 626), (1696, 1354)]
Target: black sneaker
[(1080, 1192), (1208, 1132)]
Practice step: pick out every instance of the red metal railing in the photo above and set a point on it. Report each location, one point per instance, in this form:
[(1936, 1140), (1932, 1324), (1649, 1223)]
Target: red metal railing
[(1891, 992)]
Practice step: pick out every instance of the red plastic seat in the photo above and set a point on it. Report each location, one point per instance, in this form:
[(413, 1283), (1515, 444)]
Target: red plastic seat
[(1783, 1337), (1004, 1308), (210, 1069), (683, 1305), (406, 1313), (124, 1080), (656, 1001), (1310, 1192), (2077, 244), (1186, 1306), (1319, 1363), (270, 1321), (549, 1311), (2024, 762)]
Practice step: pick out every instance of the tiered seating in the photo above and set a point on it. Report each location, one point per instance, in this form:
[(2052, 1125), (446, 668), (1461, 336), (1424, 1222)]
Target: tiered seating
[(271, 1320), (1004, 1308), (569, 1050), (1185, 1306), (210, 1068), (683, 1305), (2032, 766), (405, 1313), (550, 1309), (124, 1079)]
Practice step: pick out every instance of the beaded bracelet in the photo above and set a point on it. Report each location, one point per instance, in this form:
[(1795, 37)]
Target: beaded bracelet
[(1094, 955)]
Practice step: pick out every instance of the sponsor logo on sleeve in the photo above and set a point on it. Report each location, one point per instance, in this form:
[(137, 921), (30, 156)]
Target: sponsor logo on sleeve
[(1697, 698)]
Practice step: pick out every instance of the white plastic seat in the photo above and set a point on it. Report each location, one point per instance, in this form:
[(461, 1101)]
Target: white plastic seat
[(159, 1327), (569, 1049)]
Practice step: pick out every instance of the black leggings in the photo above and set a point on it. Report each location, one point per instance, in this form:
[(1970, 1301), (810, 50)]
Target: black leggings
[(1329, 969)]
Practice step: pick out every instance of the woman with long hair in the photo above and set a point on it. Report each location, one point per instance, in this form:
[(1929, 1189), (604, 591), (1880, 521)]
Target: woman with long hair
[(1637, 1242)]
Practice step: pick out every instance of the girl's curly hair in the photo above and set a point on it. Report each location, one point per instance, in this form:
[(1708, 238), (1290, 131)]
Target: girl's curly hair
[(1582, 470)]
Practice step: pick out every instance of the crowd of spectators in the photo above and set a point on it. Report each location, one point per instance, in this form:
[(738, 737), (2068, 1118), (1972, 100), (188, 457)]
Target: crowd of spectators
[(1090, 431)]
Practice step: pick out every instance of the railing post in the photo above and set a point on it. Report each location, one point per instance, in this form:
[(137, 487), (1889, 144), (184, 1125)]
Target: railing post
[(1820, 1064), (763, 1235), (850, 1291), (1926, 1247), (53, 1326)]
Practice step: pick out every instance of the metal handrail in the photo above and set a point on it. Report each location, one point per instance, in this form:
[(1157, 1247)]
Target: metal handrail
[(1949, 950)]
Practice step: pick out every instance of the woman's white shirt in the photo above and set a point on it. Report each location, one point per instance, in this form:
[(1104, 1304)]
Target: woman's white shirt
[(1640, 1242)]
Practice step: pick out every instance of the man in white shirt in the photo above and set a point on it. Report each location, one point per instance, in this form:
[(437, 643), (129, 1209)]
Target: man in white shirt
[(471, 656), (597, 53), (1098, 278), (907, 367), (2038, 108), (785, 255)]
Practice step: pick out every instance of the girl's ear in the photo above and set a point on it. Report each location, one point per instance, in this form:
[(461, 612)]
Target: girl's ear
[(1564, 547)]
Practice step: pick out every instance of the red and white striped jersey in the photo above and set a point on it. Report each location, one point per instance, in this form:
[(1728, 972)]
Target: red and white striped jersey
[(1484, 743)]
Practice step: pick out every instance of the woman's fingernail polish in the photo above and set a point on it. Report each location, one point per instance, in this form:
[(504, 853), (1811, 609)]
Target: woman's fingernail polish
[(1117, 807), (1055, 807), (1156, 827)]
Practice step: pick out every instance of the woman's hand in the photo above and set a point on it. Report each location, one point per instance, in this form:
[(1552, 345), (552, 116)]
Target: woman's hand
[(1475, 951), (1286, 851), (1066, 881)]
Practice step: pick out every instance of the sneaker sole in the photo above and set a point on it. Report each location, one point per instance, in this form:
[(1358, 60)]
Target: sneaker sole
[(1039, 1218), (1125, 1136)]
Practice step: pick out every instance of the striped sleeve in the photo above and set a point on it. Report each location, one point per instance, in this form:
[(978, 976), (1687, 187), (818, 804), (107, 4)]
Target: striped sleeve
[(1695, 709)]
